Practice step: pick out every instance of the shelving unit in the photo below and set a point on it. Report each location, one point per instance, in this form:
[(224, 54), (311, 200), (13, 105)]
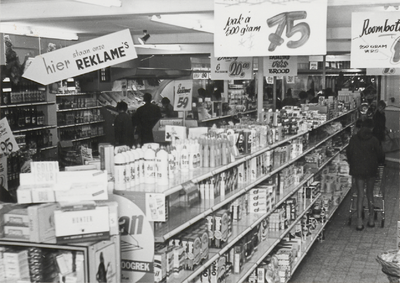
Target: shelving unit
[(90, 251), (79, 121), (183, 218)]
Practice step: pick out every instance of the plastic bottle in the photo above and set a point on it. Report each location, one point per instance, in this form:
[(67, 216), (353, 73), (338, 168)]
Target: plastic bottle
[(149, 166), (119, 172), (140, 170), (171, 163), (127, 169), (184, 159), (132, 166), (162, 166), (206, 153), (213, 146)]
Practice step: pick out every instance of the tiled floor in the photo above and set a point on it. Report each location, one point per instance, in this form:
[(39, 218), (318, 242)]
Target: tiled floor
[(347, 255)]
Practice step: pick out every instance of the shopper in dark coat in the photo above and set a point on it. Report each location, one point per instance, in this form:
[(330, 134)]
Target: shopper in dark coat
[(167, 108), (123, 128), (145, 118), (363, 155), (380, 121)]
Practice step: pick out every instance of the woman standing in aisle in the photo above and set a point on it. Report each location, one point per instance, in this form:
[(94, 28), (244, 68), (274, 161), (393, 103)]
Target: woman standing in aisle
[(123, 128), (145, 118), (363, 155), (379, 121)]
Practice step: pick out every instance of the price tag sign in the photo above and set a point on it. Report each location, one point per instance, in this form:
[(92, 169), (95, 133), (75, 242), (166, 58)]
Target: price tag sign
[(227, 68), (8, 143), (269, 28), (183, 95), (155, 207)]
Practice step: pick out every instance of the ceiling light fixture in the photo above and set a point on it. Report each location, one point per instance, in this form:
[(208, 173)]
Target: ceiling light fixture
[(144, 38), (171, 47), (104, 3), (18, 29)]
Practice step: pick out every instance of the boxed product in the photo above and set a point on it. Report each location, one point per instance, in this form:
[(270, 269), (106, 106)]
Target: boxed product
[(81, 223), (41, 222)]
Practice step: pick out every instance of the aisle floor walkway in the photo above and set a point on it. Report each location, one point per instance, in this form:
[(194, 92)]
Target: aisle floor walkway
[(347, 255)]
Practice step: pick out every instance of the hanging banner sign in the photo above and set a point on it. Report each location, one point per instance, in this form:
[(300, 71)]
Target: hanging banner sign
[(137, 242), (270, 27), (82, 58), (375, 40), (8, 143), (231, 68), (383, 72), (280, 65), (183, 95)]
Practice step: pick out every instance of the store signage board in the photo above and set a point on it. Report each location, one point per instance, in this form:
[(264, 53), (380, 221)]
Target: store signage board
[(280, 65), (383, 71), (82, 58), (8, 143), (183, 95), (228, 68), (137, 242), (3, 171), (270, 27), (375, 40)]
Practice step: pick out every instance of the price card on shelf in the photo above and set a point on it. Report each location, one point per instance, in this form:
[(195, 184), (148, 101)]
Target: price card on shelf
[(183, 95), (8, 143), (155, 207)]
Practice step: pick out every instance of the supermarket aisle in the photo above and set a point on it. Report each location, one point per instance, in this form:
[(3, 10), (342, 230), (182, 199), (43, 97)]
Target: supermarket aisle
[(347, 255)]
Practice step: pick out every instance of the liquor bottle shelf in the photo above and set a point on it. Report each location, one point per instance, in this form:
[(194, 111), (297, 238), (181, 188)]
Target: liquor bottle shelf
[(80, 124), (28, 104)]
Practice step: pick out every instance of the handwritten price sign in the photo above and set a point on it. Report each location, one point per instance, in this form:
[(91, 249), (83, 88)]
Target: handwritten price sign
[(228, 68), (8, 143), (283, 28), (183, 95)]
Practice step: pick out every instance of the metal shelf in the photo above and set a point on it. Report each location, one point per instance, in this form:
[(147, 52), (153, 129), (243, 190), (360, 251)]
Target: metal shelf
[(25, 104), (34, 129), (78, 109), (80, 124)]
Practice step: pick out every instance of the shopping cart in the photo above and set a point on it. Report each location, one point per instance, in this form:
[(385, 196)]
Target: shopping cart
[(379, 199)]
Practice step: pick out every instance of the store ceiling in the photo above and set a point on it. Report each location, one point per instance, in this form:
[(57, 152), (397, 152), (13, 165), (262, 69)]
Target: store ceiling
[(90, 21)]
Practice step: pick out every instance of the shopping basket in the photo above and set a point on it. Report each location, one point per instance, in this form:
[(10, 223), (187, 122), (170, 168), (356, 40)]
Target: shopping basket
[(390, 268)]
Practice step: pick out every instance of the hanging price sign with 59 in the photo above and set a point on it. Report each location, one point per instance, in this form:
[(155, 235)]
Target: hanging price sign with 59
[(183, 95), (8, 143)]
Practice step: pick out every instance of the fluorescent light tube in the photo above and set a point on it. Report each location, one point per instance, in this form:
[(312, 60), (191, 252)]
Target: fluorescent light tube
[(19, 29), (104, 3)]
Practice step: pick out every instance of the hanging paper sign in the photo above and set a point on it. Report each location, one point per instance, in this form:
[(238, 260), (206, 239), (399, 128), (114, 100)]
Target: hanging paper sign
[(383, 71), (82, 58), (269, 80), (137, 242), (155, 207), (8, 143), (280, 65), (375, 40), (228, 68), (3, 171), (201, 76), (183, 95), (269, 28)]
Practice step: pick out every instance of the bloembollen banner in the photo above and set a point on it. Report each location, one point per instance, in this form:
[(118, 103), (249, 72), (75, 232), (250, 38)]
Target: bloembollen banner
[(82, 58), (269, 27), (375, 40), (280, 66), (231, 68)]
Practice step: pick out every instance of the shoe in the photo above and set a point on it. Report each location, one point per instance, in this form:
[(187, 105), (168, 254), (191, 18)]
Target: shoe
[(360, 228), (370, 225)]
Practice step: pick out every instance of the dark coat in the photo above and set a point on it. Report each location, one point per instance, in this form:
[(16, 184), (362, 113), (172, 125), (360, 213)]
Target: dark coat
[(379, 126), (364, 153), (123, 129), (145, 118)]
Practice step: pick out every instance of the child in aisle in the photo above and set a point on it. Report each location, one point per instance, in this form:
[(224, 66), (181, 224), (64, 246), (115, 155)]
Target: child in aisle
[(363, 155)]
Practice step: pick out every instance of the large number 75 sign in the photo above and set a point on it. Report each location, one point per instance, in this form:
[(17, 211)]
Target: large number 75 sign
[(286, 20)]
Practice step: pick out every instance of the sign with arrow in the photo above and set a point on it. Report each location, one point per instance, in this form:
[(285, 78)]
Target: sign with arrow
[(82, 58)]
